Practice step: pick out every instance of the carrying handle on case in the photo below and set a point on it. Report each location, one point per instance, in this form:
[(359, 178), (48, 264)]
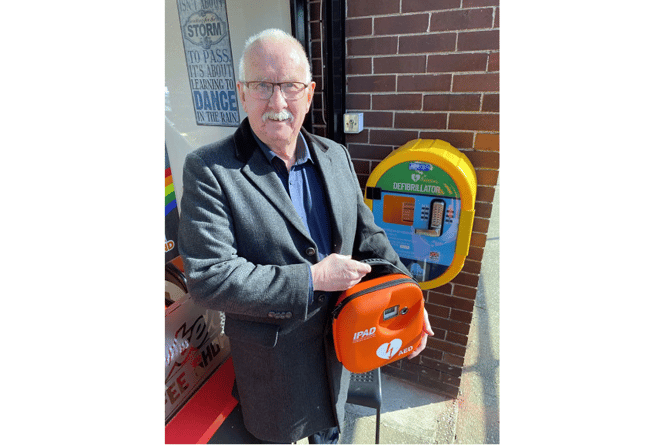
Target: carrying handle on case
[(382, 262)]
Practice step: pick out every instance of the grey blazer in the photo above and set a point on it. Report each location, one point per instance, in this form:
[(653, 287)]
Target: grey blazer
[(247, 253)]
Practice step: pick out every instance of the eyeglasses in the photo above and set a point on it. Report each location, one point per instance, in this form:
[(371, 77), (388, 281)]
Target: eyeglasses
[(264, 90)]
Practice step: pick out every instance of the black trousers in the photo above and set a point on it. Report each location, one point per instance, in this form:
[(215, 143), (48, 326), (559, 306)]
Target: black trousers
[(329, 435)]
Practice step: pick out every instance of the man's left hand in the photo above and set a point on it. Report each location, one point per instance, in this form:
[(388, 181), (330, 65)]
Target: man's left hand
[(427, 330)]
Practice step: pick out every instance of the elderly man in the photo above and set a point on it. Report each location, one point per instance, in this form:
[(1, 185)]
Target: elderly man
[(271, 219)]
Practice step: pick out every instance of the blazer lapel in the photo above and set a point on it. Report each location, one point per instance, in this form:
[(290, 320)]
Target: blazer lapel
[(262, 174), (333, 189)]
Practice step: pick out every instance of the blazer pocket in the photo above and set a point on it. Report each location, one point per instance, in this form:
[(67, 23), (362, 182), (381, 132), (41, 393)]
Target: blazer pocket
[(253, 332)]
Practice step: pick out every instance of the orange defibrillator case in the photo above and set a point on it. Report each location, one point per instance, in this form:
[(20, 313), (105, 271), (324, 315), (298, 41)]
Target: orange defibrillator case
[(378, 321)]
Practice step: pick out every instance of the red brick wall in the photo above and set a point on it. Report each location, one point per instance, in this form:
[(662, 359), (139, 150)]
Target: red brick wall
[(425, 69)]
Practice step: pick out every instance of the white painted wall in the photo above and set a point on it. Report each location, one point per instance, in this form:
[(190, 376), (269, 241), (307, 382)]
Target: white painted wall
[(182, 134)]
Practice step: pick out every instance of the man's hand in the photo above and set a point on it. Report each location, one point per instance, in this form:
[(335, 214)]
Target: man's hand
[(427, 330), (338, 273)]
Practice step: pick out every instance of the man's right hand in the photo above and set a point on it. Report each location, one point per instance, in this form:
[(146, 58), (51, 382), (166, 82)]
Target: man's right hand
[(338, 273)]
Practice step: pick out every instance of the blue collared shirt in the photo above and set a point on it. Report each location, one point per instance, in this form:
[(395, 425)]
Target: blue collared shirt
[(304, 185)]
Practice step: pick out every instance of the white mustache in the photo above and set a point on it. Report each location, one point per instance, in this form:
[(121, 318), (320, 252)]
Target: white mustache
[(280, 116)]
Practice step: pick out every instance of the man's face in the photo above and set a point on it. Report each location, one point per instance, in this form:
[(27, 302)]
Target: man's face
[(275, 61)]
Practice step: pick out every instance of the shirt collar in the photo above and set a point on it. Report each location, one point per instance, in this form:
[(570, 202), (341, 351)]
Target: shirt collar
[(302, 150)]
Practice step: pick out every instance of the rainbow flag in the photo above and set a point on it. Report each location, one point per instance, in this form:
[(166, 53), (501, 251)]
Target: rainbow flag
[(171, 214), (170, 197)]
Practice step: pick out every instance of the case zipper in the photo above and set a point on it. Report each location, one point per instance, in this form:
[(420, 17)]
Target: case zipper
[(387, 284)]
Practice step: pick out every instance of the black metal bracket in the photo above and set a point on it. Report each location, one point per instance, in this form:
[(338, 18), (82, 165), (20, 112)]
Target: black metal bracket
[(334, 19), (299, 22)]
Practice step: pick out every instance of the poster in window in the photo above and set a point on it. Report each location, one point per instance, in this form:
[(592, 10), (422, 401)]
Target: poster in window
[(211, 72)]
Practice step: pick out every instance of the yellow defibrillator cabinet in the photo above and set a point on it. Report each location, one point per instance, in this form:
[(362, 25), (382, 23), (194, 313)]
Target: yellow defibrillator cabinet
[(423, 196)]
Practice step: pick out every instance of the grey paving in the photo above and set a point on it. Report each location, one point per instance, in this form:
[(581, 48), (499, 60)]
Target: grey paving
[(478, 400)]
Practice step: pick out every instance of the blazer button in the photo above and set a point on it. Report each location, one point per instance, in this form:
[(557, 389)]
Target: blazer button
[(321, 298), (311, 251), (289, 314), (271, 315)]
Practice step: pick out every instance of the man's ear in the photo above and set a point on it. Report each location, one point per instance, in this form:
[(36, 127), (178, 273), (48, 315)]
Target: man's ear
[(310, 93), (240, 95)]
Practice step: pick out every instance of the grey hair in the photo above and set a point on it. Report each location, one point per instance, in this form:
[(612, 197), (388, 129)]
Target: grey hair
[(273, 34)]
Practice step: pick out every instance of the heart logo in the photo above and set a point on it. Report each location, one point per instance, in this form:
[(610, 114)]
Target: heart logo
[(388, 350), (415, 177)]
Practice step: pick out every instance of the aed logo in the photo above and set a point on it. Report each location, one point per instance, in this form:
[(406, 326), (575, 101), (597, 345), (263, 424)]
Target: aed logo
[(388, 350), (364, 335)]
